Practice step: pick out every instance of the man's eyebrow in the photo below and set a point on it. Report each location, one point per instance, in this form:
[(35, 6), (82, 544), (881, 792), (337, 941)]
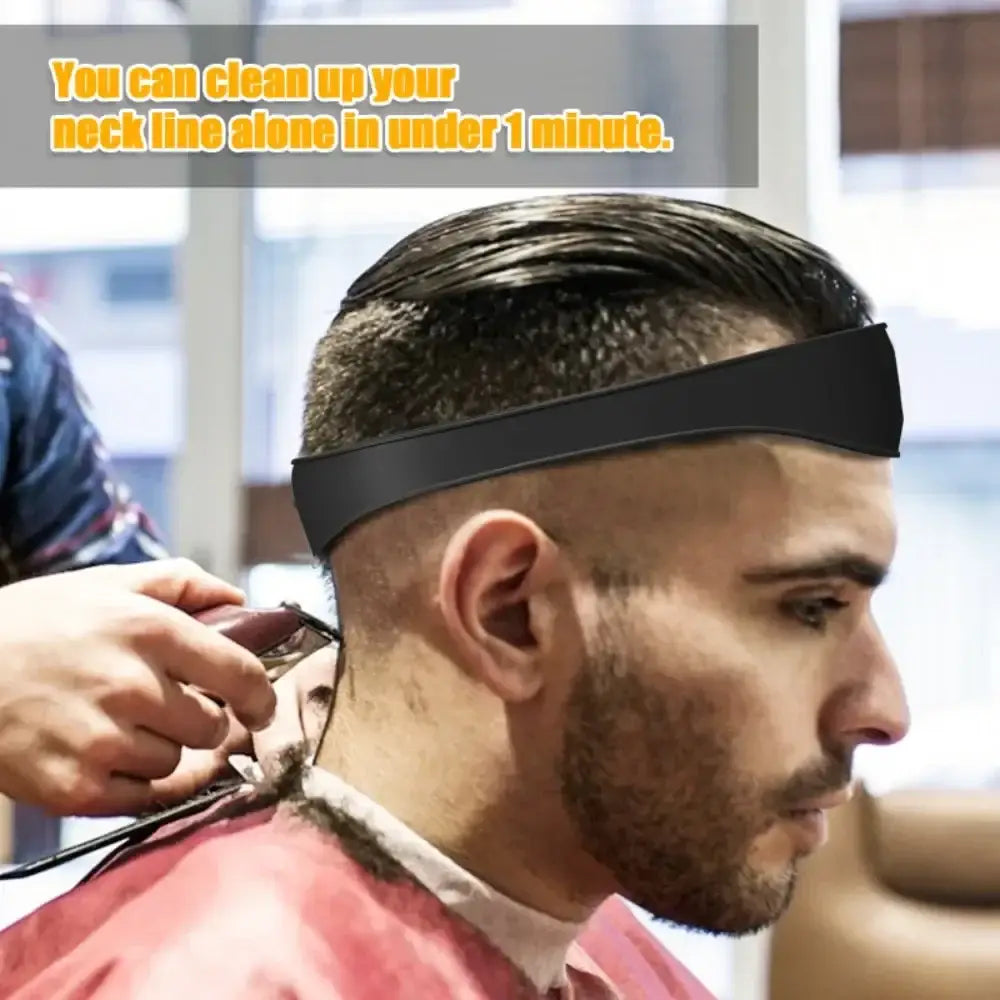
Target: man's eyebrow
[(859, 569)]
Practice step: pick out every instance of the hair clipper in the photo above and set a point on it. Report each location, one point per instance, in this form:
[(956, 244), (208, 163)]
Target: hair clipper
[(280, 638)]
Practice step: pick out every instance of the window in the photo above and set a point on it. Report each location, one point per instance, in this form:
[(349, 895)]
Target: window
[(138, 285)]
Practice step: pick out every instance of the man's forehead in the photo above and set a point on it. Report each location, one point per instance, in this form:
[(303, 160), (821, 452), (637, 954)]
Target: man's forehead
[(782, 492), (837, 501), (751, 497), (767, 465), (836, 479)]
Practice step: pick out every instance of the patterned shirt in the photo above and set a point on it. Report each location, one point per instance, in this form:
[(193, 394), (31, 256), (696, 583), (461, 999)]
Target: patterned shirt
[(61, 505)]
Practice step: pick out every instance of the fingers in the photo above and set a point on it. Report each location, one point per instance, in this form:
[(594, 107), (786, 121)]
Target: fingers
[(180, 714), (115, 796), (197, 769), (185, 649), (122, 773), (104, 748), (177, 582), (145, 755), (194, 654), (75, 781), (102, 701), (148, 772)]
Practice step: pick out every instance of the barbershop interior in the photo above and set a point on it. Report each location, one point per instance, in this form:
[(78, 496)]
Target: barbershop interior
[(191, 314)]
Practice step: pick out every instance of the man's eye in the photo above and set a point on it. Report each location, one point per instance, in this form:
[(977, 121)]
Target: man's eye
[(814, 612)]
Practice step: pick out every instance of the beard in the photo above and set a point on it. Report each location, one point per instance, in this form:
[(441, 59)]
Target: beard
[(649, 776)]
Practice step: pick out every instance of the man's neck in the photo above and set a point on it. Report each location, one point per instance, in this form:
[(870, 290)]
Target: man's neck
[(534, 942), (509, 845)]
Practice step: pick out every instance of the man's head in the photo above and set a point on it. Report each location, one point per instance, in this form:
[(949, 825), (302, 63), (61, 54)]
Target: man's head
[(641, 673)]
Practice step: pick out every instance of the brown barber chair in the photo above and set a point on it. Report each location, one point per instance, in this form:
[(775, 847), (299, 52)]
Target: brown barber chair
[(903, 903)]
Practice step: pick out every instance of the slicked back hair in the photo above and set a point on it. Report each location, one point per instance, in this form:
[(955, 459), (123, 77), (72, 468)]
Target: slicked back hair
[(533, 300)]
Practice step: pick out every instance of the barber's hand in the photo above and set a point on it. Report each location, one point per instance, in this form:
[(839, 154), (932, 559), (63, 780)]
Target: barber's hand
[(98, 670), (302, 704)]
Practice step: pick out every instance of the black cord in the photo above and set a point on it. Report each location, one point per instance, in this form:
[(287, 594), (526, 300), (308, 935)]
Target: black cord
[(146, 825), (136, 831)]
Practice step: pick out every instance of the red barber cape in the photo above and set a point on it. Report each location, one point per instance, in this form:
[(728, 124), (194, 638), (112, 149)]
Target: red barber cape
[(266, 907)]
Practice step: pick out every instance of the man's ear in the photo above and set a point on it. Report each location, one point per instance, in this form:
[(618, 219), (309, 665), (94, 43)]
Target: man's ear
[(495, 596)]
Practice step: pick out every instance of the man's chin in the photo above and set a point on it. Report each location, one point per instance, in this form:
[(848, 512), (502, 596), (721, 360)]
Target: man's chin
[(761, 900), (745, 906)]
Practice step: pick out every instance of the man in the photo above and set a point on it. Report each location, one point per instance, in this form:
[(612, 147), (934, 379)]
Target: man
[(642, 675), (93, 714)]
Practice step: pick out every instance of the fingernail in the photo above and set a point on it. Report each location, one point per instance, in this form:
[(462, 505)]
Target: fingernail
[(267, 721)]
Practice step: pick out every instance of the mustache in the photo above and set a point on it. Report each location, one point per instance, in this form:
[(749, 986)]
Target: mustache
[(814, 781)]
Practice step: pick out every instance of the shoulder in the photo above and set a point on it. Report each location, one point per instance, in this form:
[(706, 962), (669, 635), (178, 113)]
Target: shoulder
[(205, 910), (256, 908), (21, 324), (332, 929), (628, 954), (31, 351)]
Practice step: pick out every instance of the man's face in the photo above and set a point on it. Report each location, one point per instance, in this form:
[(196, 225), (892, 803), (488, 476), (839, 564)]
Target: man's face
[(720, 702)]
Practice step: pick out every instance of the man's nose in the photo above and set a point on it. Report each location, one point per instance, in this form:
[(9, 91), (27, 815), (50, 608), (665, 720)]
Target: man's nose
[(869, 704)]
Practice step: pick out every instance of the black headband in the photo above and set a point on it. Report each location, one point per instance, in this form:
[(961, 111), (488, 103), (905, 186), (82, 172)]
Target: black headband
[(841, 390)]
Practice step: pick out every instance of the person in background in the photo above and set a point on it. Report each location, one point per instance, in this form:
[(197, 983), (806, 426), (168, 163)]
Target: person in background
[(61, 505)]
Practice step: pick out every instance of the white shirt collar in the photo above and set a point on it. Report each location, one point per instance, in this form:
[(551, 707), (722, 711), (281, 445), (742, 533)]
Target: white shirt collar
[(533, 941)]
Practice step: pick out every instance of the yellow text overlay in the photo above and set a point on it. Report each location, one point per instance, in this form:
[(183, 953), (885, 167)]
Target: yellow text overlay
[(168, 127)]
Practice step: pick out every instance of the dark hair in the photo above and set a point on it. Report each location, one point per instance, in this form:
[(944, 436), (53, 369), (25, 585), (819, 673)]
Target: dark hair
[(528, 301)]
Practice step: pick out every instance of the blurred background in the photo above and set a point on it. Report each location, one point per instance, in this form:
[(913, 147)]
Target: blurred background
[(191, 317)]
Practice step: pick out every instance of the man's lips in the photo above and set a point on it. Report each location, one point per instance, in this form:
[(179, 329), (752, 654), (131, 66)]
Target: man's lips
[(830, 801)]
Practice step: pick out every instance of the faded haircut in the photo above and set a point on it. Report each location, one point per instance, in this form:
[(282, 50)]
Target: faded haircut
[(533, 300)]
